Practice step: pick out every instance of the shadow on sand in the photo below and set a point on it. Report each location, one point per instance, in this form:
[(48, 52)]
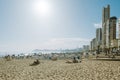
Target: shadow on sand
[(106, 59)]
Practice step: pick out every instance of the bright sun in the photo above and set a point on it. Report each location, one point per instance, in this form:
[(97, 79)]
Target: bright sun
[(41, 8)]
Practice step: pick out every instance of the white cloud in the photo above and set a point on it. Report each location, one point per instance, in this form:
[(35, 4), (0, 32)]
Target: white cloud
[(98, 25)]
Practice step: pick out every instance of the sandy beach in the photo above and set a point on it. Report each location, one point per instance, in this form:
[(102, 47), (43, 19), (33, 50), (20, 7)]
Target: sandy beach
[(59, 70)]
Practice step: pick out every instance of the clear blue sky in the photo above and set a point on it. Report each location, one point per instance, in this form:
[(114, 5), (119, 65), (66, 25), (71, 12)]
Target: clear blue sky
[(63, 24)]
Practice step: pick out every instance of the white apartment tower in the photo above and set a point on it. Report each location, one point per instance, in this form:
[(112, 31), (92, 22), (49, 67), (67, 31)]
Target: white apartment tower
[(105, 17), (119, 27), (98, 36)]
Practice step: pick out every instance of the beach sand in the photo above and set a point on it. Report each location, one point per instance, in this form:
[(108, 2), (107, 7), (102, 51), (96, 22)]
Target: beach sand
[(59, 70)]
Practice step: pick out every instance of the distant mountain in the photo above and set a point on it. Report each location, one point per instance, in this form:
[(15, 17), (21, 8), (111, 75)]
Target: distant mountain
[(56, 50)]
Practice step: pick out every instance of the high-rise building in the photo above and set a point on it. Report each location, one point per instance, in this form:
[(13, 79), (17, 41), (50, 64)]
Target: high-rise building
[(105, 17), (94, 44), (110, 31), (119, 33), (86, 47), (105, 13), (98, 36), (119, 27), (113, 21), (91, 44)]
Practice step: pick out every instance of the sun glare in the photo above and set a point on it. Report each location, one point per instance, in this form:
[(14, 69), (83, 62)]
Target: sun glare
[(41, 8)]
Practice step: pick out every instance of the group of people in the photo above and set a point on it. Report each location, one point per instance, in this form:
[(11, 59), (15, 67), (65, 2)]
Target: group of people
[(76, 59)]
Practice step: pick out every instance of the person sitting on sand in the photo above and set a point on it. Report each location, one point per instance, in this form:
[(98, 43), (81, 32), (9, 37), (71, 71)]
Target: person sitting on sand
[(75, 60), (36, 62)]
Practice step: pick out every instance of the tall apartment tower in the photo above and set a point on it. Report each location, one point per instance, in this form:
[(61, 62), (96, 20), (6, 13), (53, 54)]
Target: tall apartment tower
[(110, 31), (91, 45), (108, 34), (105, 17), (113, 21), (105, 13), (98, 36), (94, 44), (119, 27), (119, 33), (85, 47)]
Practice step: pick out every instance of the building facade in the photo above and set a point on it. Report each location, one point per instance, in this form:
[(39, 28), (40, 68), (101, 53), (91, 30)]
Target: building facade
[(94, 44), (119, 33), (86, 47), (113, 21), (105, 17), (119, 28), (98, 36), (108, 34), (110, 31)]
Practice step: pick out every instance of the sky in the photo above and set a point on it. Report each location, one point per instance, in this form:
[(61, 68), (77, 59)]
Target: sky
[(26, 25)]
